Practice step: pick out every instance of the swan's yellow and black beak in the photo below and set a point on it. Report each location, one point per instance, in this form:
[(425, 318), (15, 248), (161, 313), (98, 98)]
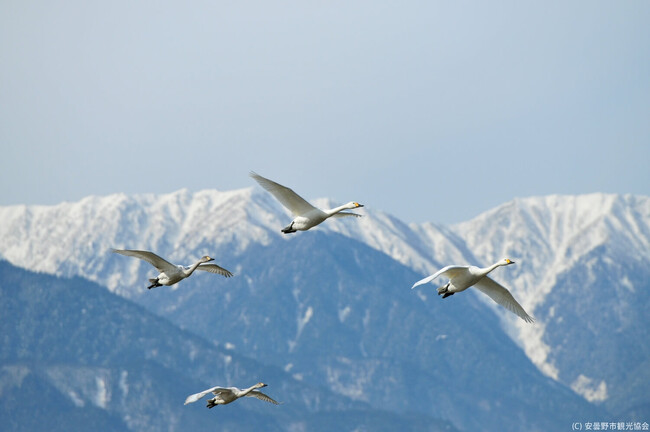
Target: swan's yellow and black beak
[(508, 261), (358, 205)]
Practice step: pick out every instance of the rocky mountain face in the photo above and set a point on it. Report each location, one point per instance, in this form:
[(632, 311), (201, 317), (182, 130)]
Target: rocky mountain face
[(332, 307), (76, 357)]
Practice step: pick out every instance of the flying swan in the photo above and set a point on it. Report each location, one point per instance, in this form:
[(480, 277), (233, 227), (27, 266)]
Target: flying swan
[(225, 395), (463, 277), (170, 273), (306, 215)]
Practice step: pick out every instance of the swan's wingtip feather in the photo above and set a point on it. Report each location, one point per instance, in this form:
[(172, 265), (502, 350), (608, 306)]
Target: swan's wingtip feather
[(417, 284), (524, 316)]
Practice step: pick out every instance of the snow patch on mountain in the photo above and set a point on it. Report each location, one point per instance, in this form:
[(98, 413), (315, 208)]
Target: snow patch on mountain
[(590, 389), (102, 396), (303, 320), (76, 400), (344, 313), (350, 379), (124, 385)]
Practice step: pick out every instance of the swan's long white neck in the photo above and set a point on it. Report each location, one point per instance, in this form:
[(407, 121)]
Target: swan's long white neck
[(335, 210), (248, 390), (193, 267), (487, 270)]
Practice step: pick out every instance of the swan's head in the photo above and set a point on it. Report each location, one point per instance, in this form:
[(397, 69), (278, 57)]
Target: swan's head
[(206, 259), (260, 385), (507, 261), (353, 204)]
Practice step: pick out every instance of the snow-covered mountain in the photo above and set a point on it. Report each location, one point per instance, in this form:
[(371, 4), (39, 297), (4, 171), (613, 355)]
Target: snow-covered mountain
[(582, 266), (583, 270)]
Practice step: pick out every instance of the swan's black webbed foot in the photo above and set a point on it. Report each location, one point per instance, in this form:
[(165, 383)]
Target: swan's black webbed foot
[(289, 229), (443, 290), (447, 294)]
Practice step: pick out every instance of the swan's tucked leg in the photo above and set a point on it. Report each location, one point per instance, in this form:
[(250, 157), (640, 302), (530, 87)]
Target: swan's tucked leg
[(211, 403), (154, 283), (289, 229), (447, 294)]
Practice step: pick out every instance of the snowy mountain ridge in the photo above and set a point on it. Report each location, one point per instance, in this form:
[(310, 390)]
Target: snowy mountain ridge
[(547, 234), (553, 232), (73, 238)]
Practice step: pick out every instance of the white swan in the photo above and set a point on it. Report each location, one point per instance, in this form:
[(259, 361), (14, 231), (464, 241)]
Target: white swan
[(225, 395), (170, 273), (463, 277), (306, 215)]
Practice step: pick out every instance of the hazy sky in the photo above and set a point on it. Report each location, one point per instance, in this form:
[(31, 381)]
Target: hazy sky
[(431, 111)]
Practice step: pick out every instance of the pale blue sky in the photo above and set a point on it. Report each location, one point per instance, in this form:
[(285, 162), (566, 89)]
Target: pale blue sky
[(431, 110)]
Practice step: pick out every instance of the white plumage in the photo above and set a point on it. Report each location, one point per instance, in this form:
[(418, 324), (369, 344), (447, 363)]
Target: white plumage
[(226, 395), (306, 215), (170, 273), (463, 277)]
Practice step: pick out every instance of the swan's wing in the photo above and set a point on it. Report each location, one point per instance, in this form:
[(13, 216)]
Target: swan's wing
[(344, 214), (197, 396), (502, 296), (213, 268), (150, 257), (262, 396), (291, 200), (449, 272)]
